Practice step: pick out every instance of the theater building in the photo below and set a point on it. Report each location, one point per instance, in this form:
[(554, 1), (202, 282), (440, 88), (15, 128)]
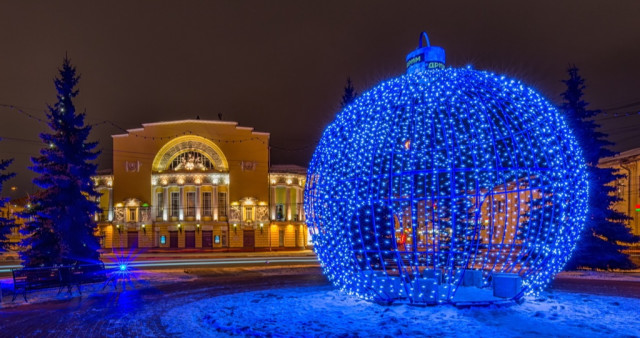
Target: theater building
[(201, 185)]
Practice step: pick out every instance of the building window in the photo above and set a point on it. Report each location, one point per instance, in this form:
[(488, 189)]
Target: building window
[(224, 237), (191, 203), (160, 199), (222, 204), (206, 203), (280, 212), (132, 215), (175, 203), (248, 214), (191, 160), (620, 189)]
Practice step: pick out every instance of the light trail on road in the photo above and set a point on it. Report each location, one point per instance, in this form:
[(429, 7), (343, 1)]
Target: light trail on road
[(114, 262), (213, 262)]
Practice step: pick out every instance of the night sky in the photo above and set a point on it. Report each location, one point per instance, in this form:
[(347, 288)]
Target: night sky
[(281, 66)]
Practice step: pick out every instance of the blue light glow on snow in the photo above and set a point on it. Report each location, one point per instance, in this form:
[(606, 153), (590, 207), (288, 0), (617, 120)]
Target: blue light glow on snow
[(442, 171)]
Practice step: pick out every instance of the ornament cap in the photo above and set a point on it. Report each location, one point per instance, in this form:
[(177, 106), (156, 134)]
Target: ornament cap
[(429, 57)]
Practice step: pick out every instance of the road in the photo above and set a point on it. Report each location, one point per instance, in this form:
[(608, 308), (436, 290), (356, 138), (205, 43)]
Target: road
[(619, 288), (194, 260)]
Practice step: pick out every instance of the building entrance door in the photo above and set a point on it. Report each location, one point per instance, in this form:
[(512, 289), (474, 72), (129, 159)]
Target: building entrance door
[(249, 239), (189, 239), (281, 237), (132, 239), (173, 239), (207, 239)]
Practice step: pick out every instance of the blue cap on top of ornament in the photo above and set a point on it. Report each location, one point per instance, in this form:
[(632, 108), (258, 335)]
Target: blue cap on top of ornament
[(423, 58)]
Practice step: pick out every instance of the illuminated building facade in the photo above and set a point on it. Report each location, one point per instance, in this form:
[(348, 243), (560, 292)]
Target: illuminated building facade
[(627, 188), (198, 184), (10, 210)]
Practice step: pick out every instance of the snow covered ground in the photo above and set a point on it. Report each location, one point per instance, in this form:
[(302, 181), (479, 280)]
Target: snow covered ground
[(324, 311)]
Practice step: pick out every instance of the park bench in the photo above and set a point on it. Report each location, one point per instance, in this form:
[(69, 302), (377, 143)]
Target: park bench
[(91, 273), (27, 279)]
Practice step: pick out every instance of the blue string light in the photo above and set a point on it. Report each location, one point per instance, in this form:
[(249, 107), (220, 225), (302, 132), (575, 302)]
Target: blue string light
[(442, 171)]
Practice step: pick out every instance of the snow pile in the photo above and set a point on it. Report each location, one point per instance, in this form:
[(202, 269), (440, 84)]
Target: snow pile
[(321, 311)]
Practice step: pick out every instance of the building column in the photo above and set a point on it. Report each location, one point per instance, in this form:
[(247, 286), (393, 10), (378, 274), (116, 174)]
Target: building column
[(198, 203), (272, 202), (287, 204), (299, 201), (165, 212), (181, 204), (214, 202), (154, 203), (110, 210)]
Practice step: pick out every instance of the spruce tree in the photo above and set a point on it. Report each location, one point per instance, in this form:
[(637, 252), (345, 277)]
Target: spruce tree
[(601, 244), (349, 95), (6, 223), (61, 224)]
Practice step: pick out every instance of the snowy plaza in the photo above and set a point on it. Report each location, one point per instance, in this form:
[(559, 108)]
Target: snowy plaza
[(299, 302)]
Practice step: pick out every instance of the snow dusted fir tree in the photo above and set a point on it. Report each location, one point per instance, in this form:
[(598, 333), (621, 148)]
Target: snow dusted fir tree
[(5, 223), (61, 225), (349, 95), (600, 245)]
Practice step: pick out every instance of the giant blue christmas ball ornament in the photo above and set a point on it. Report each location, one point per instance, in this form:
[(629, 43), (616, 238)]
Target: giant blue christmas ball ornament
[(446, 185)]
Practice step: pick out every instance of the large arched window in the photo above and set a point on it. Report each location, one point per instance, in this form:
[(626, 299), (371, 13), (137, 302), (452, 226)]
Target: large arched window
[(191, 160), (188, 153)]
